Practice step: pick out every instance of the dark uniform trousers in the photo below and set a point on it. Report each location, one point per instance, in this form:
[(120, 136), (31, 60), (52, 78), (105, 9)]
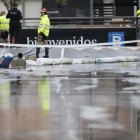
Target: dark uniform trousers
[(42, 39)]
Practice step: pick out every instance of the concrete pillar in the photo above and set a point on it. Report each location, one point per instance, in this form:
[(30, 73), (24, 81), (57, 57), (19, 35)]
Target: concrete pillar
[(91, 11)]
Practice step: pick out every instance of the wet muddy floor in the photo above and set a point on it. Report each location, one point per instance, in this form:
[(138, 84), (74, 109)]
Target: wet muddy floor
[(71, 102)]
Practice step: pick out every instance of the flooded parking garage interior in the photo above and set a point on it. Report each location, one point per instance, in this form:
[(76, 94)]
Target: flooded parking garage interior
[(94, 96)]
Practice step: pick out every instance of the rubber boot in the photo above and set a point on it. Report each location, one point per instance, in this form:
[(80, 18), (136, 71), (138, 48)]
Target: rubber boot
[(37, 52), (46, 53)]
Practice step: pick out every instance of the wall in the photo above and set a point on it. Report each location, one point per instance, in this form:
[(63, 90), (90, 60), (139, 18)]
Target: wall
[(29, 8), (80, 36), (2, 7)]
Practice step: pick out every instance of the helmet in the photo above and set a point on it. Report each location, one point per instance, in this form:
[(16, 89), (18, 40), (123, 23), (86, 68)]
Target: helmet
[(138, 12), (43, 10), (2, 13), (14, 4)]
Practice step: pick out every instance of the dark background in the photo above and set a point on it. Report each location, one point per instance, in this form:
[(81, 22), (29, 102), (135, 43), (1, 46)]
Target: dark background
[(81, 8)]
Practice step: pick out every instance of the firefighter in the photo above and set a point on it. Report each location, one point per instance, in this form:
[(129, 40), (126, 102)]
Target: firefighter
[(15, 26), (138, 24), (4, 26), (138, 13), (43, 32)]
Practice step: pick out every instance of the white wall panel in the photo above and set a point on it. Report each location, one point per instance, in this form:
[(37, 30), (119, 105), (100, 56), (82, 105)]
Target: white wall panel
[(31, 9), (2, 7)]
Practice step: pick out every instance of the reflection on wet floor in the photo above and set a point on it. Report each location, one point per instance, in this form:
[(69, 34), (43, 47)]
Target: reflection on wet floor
[(82, 105)]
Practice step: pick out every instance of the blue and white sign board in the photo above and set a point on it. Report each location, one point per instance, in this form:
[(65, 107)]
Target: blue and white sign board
[(116, 37)]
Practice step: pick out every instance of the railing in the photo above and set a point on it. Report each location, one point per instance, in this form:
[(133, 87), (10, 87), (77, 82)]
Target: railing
[(89, 21)]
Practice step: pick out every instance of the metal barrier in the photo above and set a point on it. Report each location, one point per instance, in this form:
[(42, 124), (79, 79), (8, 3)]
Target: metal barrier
[(92, 21)]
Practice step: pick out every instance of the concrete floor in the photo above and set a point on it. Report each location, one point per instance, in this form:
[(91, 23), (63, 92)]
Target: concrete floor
[(76, 52), (71, 102)]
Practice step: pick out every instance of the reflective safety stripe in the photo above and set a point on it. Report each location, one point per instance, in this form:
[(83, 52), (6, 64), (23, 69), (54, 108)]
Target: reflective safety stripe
[(43, 25), (4, 23), (40, 26)]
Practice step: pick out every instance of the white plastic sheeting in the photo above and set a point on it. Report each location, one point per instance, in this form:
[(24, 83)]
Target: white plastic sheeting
[(83, 61), (58, 61), (117, 59)]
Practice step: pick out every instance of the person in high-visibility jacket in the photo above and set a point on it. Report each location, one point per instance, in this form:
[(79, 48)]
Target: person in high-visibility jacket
[(138, 13), (4, 26), (138, 24), (43, 32)]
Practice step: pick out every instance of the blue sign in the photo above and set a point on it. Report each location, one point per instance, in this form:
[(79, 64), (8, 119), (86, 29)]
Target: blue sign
[(116, 37)]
